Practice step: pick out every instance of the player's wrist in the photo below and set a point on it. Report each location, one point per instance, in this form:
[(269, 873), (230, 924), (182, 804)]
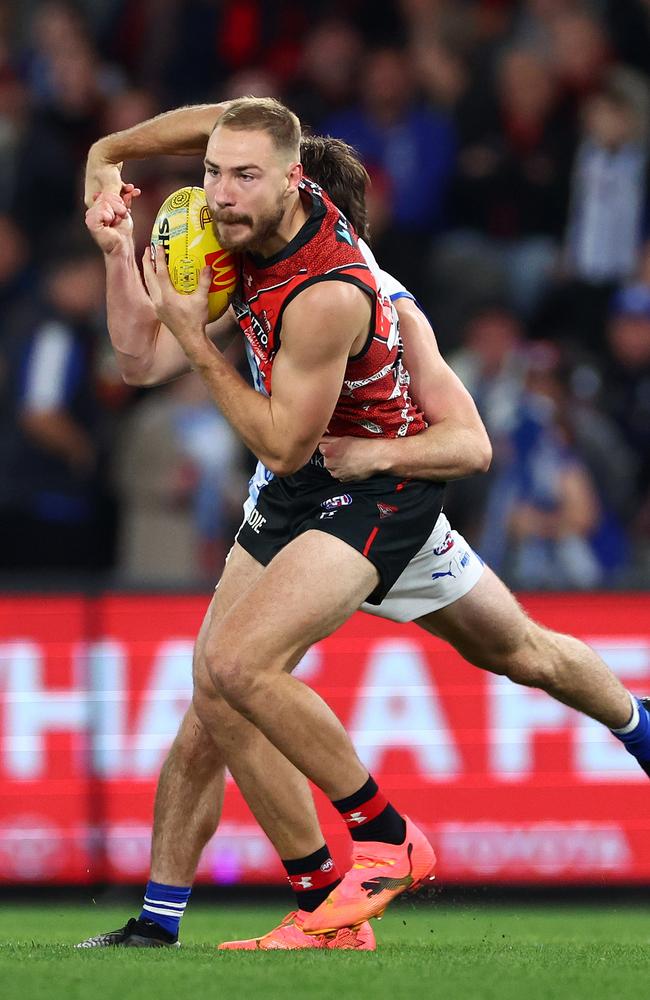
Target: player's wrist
[(197, 345), (121, 251), (383, 457), (106, 152)]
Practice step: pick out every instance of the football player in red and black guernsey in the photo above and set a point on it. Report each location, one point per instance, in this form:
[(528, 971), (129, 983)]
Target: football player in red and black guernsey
[(326, 345)]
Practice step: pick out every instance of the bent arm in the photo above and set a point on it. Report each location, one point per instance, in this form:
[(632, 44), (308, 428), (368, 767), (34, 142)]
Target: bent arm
[(455, 444), (283, 430), (184, 131), (147, 353)]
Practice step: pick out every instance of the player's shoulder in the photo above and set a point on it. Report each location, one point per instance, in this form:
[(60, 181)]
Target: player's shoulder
[(325, 296)]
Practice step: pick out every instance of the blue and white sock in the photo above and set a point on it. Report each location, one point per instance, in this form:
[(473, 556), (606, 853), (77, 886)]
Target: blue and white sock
[(636, 734), (165, 904)]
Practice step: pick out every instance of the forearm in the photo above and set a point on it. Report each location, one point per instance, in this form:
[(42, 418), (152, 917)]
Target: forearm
[(184, 131), (249, 413), (132, 321), (444, 451)]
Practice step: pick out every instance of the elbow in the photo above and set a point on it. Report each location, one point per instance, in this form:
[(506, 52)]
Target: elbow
[(483, 455), (139, 379), (282, 466), (476, 455), (288, 462)]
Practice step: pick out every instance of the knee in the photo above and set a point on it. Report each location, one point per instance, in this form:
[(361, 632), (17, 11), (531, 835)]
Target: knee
[(217, 697), (532, 660), (527, 658), (233, 675)]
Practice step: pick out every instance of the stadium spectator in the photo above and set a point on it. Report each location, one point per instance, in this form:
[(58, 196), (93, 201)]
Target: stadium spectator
[(54, 506), (179, 477), (410, 144), (608, 215), (57, 29), (441, 71), (543, 508), (628, 376), (492, 365), (511, 186), (532, 23), (581, 53), (52, 152), (327, 77), (16, 275), (14, 114)]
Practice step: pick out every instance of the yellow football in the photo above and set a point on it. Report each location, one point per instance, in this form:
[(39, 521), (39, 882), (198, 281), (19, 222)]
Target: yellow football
[(183, 228)]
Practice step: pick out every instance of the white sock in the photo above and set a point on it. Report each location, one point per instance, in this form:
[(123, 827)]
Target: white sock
[(634, 721)]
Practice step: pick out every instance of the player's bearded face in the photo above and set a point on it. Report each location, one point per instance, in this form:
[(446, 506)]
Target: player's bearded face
[(245, 186)]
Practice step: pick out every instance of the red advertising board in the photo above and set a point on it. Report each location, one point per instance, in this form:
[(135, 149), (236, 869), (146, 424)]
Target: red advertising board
[(511, 785)]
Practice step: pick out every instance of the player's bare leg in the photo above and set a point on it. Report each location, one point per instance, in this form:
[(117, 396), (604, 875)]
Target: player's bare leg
[(191, 786), (188, 803), (250, 652), (490, 629), (249, 655), (192, 780)]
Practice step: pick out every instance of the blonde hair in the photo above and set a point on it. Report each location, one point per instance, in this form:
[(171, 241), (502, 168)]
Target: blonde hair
[(266, 115)]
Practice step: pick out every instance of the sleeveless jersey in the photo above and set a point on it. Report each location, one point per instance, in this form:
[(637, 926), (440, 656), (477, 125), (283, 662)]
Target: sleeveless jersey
[(395, 290), (374, 399)]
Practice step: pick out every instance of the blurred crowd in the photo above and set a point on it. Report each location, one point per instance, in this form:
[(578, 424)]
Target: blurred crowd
[(507, 144)]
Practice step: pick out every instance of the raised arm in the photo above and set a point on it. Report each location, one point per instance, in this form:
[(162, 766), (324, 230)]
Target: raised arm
[(146, 351), (454, 445), (183, 131)]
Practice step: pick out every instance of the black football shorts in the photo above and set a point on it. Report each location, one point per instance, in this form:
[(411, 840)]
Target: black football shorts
[(385, 518)]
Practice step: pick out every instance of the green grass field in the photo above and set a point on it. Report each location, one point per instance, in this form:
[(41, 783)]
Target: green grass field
[(433, 950)]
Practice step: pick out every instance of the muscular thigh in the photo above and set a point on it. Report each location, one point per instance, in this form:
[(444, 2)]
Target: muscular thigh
[(485, 626), (308, 589)]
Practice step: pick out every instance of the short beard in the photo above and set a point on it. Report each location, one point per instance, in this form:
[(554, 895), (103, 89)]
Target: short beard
[(266, 226)]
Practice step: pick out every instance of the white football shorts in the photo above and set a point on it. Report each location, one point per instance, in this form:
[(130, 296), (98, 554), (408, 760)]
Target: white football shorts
[(444, 569)]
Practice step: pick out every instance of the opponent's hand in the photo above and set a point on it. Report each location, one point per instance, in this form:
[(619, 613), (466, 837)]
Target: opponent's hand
[(109, 222), (185, 315), (349, 458)]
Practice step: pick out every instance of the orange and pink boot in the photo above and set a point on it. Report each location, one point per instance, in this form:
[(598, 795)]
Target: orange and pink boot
[(289, 936), (379, 873)]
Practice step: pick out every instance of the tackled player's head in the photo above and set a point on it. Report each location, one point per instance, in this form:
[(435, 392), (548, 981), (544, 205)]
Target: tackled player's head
[(337, 168), (252, 170)]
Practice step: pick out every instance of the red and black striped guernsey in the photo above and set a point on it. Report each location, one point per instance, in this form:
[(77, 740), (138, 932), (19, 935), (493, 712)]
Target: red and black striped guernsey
[(374, 399)]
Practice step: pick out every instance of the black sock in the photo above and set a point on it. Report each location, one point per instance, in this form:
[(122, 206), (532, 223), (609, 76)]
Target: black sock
[(312, 878), (370, 816)]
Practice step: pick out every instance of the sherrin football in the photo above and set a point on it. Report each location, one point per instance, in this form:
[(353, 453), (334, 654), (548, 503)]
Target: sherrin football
[(183, 228)]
